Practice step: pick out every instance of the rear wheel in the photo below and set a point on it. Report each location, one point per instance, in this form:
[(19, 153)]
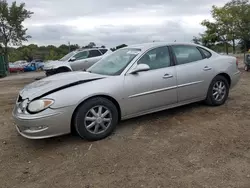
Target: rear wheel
[(96, 119), (218, 91)]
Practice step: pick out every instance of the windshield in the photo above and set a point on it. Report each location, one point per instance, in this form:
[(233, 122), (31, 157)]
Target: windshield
[(115, 63), (66, 57)]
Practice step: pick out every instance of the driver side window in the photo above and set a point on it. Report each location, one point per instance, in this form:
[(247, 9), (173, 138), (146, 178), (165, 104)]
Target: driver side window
[(81, 55), (156, 58)]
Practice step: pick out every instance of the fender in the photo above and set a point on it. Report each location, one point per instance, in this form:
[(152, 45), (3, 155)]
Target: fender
[(56, 64), (63, 66)]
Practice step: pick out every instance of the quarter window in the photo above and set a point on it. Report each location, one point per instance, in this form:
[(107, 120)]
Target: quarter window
[(94, 53), (186, 54), (156, 58), (205, 52)]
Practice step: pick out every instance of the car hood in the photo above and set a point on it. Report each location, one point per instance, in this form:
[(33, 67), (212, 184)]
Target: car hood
[(56, 82)]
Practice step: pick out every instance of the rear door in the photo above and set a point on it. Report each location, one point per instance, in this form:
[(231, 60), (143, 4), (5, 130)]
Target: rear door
[(194, 72), (94, 56)]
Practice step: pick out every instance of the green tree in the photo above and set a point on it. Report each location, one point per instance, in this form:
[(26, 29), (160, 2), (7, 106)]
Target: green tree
[(231, 23), (225, 25), (91, 45), (196, 40), (12, 30), (118, 47), (240, 14)]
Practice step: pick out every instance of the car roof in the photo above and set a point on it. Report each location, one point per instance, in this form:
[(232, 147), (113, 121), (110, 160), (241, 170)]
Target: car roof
[(87, 49), (145, 46)]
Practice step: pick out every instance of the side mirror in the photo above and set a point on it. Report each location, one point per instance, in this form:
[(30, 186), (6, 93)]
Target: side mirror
[(140, 68), (72, 59)]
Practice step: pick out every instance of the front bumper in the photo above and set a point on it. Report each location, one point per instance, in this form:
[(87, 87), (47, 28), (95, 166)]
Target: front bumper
[(48, 123)]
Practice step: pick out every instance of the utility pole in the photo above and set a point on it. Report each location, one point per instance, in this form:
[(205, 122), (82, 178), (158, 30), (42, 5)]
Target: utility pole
[(69, 46)]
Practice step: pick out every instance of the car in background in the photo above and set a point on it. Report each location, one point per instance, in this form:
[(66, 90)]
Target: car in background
[(132, 81), (80, 59), (34, 66), (13, 68)]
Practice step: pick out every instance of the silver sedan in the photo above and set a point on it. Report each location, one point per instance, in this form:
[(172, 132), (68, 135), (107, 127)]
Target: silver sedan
[(130, 82)]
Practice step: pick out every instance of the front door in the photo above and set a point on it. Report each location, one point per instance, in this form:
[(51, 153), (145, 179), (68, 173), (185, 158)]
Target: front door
[(152, 89), (79, 59), (194, 72)]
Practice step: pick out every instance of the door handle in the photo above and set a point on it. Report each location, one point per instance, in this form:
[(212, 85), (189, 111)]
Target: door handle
[(206, 68), (167, 76), (86, 61)]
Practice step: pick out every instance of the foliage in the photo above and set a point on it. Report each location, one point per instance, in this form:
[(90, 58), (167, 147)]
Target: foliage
[(90, 45), (32, 51), (231, 23), (12, 30), (49, 52), (244, 44), (118, 47)]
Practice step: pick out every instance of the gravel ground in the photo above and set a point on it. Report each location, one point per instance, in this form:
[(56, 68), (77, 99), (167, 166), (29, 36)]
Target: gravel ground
[(194, 146)]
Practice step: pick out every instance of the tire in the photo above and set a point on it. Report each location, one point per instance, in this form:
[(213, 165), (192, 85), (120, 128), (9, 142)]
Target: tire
[(84, 113), (48, 73), (61, 70), (211, 94)]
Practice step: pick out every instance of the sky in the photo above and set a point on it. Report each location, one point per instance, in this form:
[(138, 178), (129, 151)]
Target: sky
[(114, 22)]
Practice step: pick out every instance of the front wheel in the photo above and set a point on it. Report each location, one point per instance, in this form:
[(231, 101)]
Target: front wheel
[(218, 91), (61, 70), (96, 119)]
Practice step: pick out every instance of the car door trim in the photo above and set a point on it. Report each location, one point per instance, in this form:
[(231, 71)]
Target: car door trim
[(190, 83), (152, 92), (164, 89)]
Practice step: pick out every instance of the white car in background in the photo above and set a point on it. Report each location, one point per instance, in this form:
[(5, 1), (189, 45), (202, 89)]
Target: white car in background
[(80, 59)]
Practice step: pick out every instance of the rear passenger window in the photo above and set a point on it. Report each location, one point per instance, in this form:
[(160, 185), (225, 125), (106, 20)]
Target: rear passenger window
[(205, 52), (94, 53), (186, 54), (103, 51)]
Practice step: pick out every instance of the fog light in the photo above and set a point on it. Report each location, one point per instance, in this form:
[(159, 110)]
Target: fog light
[(37, 128), (32, 130)]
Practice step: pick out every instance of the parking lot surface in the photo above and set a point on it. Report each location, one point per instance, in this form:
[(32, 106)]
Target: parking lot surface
[(194, 146)]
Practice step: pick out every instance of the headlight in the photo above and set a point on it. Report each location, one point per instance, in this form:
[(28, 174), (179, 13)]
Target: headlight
[(39, 105)]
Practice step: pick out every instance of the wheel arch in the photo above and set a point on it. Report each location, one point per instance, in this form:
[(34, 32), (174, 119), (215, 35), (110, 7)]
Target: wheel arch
[(225, 75), (64, 67), (114, 101)]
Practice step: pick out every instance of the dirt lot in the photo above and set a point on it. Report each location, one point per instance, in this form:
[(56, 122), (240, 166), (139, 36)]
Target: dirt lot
[(192, 146)]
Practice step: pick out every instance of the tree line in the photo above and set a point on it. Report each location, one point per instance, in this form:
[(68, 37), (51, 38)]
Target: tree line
[(49, 52), (230, 28)]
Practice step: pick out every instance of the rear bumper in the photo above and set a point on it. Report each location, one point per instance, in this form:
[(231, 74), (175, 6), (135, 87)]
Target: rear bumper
[(235, 78)]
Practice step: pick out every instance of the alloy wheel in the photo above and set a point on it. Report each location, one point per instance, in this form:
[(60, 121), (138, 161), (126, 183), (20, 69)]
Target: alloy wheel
[(219, 91), (98, 119)]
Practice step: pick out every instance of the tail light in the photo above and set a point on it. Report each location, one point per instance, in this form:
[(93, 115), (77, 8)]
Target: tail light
[(237, 62)]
